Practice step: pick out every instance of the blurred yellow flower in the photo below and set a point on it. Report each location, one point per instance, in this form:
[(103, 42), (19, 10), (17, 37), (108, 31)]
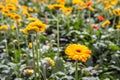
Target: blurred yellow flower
[(36, 26), (24, 8), (6, 12), (29, 71), (66, 10), (32, 19), (10, 6), (78, 52), (15, 41), (26, 13), (30, 45), (4, 28), (16, 16), (1, 8), (114, 2), (55, 6), (61, 1), (107, 22), (13, 27), (107, 7), (118, 26), (76, 1), (51, 62), (116, 12), (91, 8), (11, 1), (30, 9)]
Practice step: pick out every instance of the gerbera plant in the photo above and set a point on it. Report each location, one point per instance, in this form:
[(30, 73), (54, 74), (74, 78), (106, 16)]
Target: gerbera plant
[(78, 52)]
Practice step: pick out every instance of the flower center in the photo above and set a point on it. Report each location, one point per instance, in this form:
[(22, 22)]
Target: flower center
[(78, 51)]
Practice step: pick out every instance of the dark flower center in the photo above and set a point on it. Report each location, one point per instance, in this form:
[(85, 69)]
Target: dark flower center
[(78, 51)]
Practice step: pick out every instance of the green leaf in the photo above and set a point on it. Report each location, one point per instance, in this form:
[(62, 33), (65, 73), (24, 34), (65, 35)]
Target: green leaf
[(58, 65)]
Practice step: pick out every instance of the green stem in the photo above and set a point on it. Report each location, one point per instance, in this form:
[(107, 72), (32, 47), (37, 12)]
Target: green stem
[(76, 70), (114, 22), (58, 38), (34, 60), (44, 70), (89, 18), (38, 55), (6, 43), (118, 32), (17, 36)]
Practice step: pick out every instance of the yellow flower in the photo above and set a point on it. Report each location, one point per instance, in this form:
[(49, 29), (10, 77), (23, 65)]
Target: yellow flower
[(11, 1), (4, 28), (66, 10), (78, 52), (116, 12), (91, 8), (30, 10), (107, 22), (15, 41), (114, 2), (118, 26), (55, 6), (32, 19), (51, 62), (26, 13), (38, 24), (36, 10), (1, 7), (10, 6), (24, 8), (6, 12), (13, 27), (107, 7), (119, 22), (16, 16), (76, 1), (29, 71), (33, 27), (30, 45), (61, 1)]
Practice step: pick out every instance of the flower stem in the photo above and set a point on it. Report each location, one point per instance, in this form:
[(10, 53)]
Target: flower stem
[(76, 70), (17, 36), (114, 22), (58, 38), (44, 70), (38, 57), (6, 43), (34, 60)]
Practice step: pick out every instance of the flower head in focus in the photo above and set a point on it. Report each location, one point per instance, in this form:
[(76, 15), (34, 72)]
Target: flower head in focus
[(78, 52)]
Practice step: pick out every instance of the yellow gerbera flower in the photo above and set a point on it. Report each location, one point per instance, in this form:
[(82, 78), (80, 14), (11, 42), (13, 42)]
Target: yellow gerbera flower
[(29, 71), (16, 16), (36, 26), (107, 22), (50, 61), (61, 1), (78, 52), (30, 45), (4, 28), (1, 7), (66, 10), (32, 19), (76, 1), (116, 12), (118, 26), (15, 41), (55, 6), (10, 6)]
